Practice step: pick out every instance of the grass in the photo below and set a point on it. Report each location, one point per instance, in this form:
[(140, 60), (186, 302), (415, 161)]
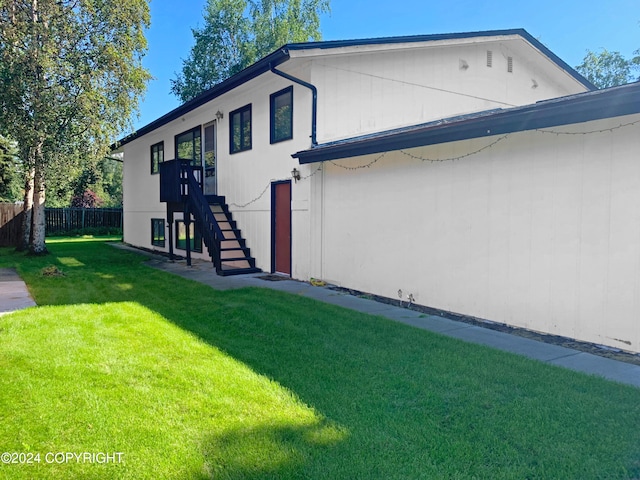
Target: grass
[(188, 382)]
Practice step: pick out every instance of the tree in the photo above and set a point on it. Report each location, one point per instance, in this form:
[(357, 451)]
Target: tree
[(237, 33), (70, 77), (608, 69), (88, 199), (9, 171)]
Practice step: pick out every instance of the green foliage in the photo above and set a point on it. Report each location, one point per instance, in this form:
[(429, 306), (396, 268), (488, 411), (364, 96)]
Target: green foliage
[(10, 173), (102, 176), (89, 231), (257, 384), (237, 33), (70, 78), (609, 69)]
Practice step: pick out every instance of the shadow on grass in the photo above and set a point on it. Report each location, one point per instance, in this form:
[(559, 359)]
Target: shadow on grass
[(274, 451), (413, 403)]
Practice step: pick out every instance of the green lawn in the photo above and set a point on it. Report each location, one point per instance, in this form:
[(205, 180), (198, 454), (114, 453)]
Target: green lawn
[(187, 383)]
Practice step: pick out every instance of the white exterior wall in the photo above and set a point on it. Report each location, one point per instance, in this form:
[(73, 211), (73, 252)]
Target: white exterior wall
[(540, 231), (365, 92), (243, 178), (359, 91), (141, 190)]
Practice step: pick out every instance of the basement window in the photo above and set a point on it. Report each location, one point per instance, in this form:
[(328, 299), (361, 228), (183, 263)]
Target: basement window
[(194, 237), (157, 232)]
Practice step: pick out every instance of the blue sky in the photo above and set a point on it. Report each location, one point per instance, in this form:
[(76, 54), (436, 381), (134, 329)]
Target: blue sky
[(567, 27)]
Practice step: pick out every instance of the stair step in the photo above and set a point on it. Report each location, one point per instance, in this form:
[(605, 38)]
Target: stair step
[(215, 199), (242, 258), (227, 225), (239, 271), (232, 243), (233, 254)]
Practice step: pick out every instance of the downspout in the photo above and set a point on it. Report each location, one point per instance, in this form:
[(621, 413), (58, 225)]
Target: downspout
[(314, 102)]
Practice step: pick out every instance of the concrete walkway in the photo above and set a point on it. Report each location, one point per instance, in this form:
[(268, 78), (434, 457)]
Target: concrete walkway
[(13, 292), (545, 352)]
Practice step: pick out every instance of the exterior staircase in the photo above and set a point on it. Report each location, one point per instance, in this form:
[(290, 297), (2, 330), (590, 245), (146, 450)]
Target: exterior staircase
[(235, 256), (181, 185)]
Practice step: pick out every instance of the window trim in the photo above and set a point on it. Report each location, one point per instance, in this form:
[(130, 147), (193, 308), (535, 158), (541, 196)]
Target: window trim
[(198, 129), (272, 123), (154, 242), (240, 111), (196, 239), (159, 144)]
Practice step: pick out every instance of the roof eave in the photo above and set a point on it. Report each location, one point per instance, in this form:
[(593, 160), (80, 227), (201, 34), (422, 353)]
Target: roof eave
[(282, 55), (578, 108), (262, 66)]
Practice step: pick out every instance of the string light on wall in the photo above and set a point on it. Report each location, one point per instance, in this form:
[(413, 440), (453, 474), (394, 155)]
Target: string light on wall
[(453, 159), (268, 185), (375, 160), (296, 174), (591, 131)]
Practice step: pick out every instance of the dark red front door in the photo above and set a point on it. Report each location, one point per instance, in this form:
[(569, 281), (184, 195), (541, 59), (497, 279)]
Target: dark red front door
[(282, 227)]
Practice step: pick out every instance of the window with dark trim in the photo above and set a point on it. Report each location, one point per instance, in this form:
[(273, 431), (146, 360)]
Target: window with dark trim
[(189, 146), (240, 132), (194, 236), (157, 156), (281, 107), (157, 232)]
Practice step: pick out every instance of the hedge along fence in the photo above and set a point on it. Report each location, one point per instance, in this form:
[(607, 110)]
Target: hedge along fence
[(60, 221), (10, 224), (77, 220)]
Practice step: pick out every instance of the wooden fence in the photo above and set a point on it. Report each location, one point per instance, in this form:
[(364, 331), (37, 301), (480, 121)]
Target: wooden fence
[(62, 220), (10, 224), (59, 221)]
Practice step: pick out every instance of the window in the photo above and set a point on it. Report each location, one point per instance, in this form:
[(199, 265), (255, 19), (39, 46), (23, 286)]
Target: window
[(157, 232), (157, 156), (189, 146), (194, 236), (240, 133), (282, 115)]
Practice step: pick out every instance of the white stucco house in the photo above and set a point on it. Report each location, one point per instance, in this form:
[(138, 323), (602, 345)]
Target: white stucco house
[(476, 172)]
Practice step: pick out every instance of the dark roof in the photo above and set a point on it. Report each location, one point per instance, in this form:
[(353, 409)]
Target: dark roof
[(252, 71), (581, 107), (282, 55), (447, 36)]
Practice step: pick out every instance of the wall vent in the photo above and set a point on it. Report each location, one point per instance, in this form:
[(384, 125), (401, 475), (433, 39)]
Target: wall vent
[(510, 64), (489, 58)]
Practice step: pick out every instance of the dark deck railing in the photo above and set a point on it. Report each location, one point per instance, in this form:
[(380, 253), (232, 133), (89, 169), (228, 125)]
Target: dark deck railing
[(172, 181), (181, 182)]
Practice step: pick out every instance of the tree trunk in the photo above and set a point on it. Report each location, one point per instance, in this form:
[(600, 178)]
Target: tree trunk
[(25, 239), (38, 246)]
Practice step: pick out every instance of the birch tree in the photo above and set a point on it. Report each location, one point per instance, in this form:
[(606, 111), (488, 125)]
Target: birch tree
[(70, 78)]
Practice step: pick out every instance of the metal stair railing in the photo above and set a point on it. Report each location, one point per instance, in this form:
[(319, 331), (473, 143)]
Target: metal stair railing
[(206, 221)]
